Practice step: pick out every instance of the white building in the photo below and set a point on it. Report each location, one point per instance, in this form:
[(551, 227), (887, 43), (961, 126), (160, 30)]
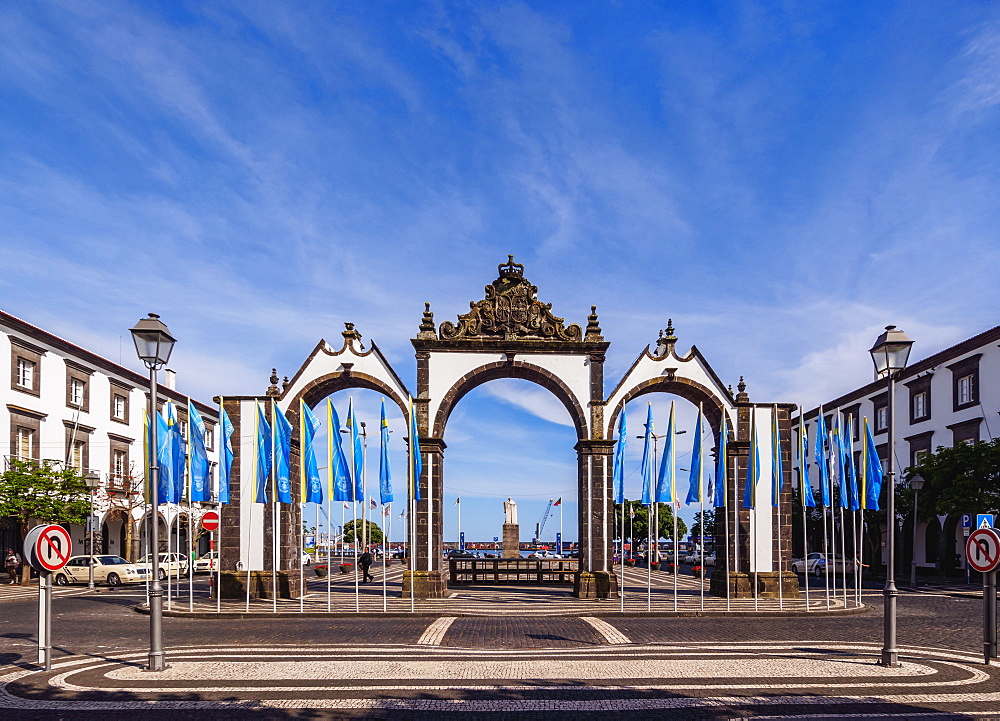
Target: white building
[(950, 397), (67, 404)]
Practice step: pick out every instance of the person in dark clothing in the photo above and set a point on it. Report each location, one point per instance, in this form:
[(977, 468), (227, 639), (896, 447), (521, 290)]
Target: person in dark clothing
[(12, 564), (366, 563)]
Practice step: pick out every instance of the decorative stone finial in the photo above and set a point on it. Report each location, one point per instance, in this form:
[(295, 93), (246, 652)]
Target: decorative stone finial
[(426, 329), (273, 390), (593, 326), (670, 328), (284, 384), (351, 335), (665, 343), (730, 390), (742, 396)]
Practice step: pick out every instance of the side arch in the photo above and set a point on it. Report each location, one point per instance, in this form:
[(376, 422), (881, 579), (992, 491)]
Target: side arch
[(687, 389), (510, 369)]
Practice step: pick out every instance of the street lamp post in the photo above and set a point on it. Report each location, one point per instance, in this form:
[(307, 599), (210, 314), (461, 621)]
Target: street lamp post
[(916, 483), (93, 480), (153, 344), (890, 353)]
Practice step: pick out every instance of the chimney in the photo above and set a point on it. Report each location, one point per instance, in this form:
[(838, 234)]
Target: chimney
[(170, 379)]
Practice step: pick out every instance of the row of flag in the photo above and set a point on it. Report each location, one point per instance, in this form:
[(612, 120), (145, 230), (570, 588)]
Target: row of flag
[(182, 456), (859, 486)]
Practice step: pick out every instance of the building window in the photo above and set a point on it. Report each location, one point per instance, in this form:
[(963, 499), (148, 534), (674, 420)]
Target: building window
[(76, 387), (881, 419), (965, 382), (920, 446), (24, 443), (209, 438), (76, 456), (119, 407), (920, 398), (964, 395), (965, 432), (25, 373), (184, 428), (920, 406), (119, 462)]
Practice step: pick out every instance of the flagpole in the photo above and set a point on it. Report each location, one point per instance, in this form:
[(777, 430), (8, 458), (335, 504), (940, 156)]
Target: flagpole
[(621, 585), (736, 517), (302, 550), (256, 481), (802, 500), (170, 529), (776, 447), (755, 477), (385, 557), (725, 525), (217, 542), (649, 557), (832, 560), (275, 517)]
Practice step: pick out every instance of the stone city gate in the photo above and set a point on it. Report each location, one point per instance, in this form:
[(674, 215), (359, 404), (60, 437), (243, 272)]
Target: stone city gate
[(511, 334)]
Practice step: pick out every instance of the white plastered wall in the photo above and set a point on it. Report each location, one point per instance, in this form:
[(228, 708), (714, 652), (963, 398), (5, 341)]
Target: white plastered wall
[(251, 514)]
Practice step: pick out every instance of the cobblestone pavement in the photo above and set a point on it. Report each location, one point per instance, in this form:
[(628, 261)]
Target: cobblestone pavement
[(531, 666)]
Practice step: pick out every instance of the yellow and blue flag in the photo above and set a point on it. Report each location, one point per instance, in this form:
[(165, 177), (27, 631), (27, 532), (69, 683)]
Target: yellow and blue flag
[(384, 472), (201, 491), (646, 467), (357, 452), (753, 466), (227, 455), (854, 502), (805, 485), (263, 465), (819, 450), (619, 467), (178, 457), (339, 473), (666, 482), (312, 486), (416, 460), (720, 463), (695, 493)]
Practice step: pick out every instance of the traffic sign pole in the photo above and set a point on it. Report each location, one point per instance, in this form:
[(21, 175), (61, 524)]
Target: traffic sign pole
[(989, 616), (982, 552)]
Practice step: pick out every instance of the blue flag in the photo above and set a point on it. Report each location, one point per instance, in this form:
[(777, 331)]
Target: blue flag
[(164, 459), (312, 486), (819, 449), (872, 470), (777, 471), (178, 457), (805, 485), (840, 463), (357, 452), (416, 457), (201, 491), (694, 486), (666, 482), (646, 467), (283, 459), (720, 463), (384, 472), (339, 472), (854, 502), (263, 465), (227, 455), (619, 468), (753, 466)]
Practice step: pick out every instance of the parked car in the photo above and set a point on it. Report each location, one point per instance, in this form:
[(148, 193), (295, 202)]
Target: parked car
[(112, 570), (815, 563), (207, 562), (546, 554), (306, 559), (461, 554), (176, 564)]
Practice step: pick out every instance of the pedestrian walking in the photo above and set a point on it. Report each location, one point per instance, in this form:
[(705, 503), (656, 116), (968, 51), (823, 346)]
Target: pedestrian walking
[(12, 562), (366, 563)]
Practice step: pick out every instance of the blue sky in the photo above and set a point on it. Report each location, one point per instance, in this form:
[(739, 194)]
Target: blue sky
[(781, 179)]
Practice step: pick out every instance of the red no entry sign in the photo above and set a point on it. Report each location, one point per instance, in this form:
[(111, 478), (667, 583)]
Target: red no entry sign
[(53, 547), (983, 550), (210, 521)]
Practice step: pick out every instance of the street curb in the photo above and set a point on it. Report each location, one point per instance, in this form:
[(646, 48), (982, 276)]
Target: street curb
[(242, 615)]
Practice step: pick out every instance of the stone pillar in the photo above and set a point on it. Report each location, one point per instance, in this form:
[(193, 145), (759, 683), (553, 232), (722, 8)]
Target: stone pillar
[(596, 578), (427, 575), (511, 540)]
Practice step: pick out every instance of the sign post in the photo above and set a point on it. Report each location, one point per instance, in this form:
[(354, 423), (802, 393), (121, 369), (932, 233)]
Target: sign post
[(46, 549), (983, 553)]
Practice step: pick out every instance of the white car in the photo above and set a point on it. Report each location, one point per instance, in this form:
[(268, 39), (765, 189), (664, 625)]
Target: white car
[(306, 559), (815, 563), (112, 570), (175, 564), (207, 562), (546, 554)]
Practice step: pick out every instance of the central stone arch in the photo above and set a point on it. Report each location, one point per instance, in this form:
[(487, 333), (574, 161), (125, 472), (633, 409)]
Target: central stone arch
[(511, 334)]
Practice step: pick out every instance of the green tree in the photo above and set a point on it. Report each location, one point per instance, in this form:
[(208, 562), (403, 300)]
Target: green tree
[(709, 524), (374, 532), (963, 479), (44, 492)]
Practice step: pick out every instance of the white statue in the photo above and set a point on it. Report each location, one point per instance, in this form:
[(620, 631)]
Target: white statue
[(510, 511)]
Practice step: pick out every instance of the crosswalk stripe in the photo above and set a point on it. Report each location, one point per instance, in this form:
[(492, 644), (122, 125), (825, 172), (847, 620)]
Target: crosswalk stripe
[(436, 631), (611, 634)]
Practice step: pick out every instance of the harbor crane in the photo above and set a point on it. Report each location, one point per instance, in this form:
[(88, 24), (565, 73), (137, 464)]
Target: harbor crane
[(540, 526)]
